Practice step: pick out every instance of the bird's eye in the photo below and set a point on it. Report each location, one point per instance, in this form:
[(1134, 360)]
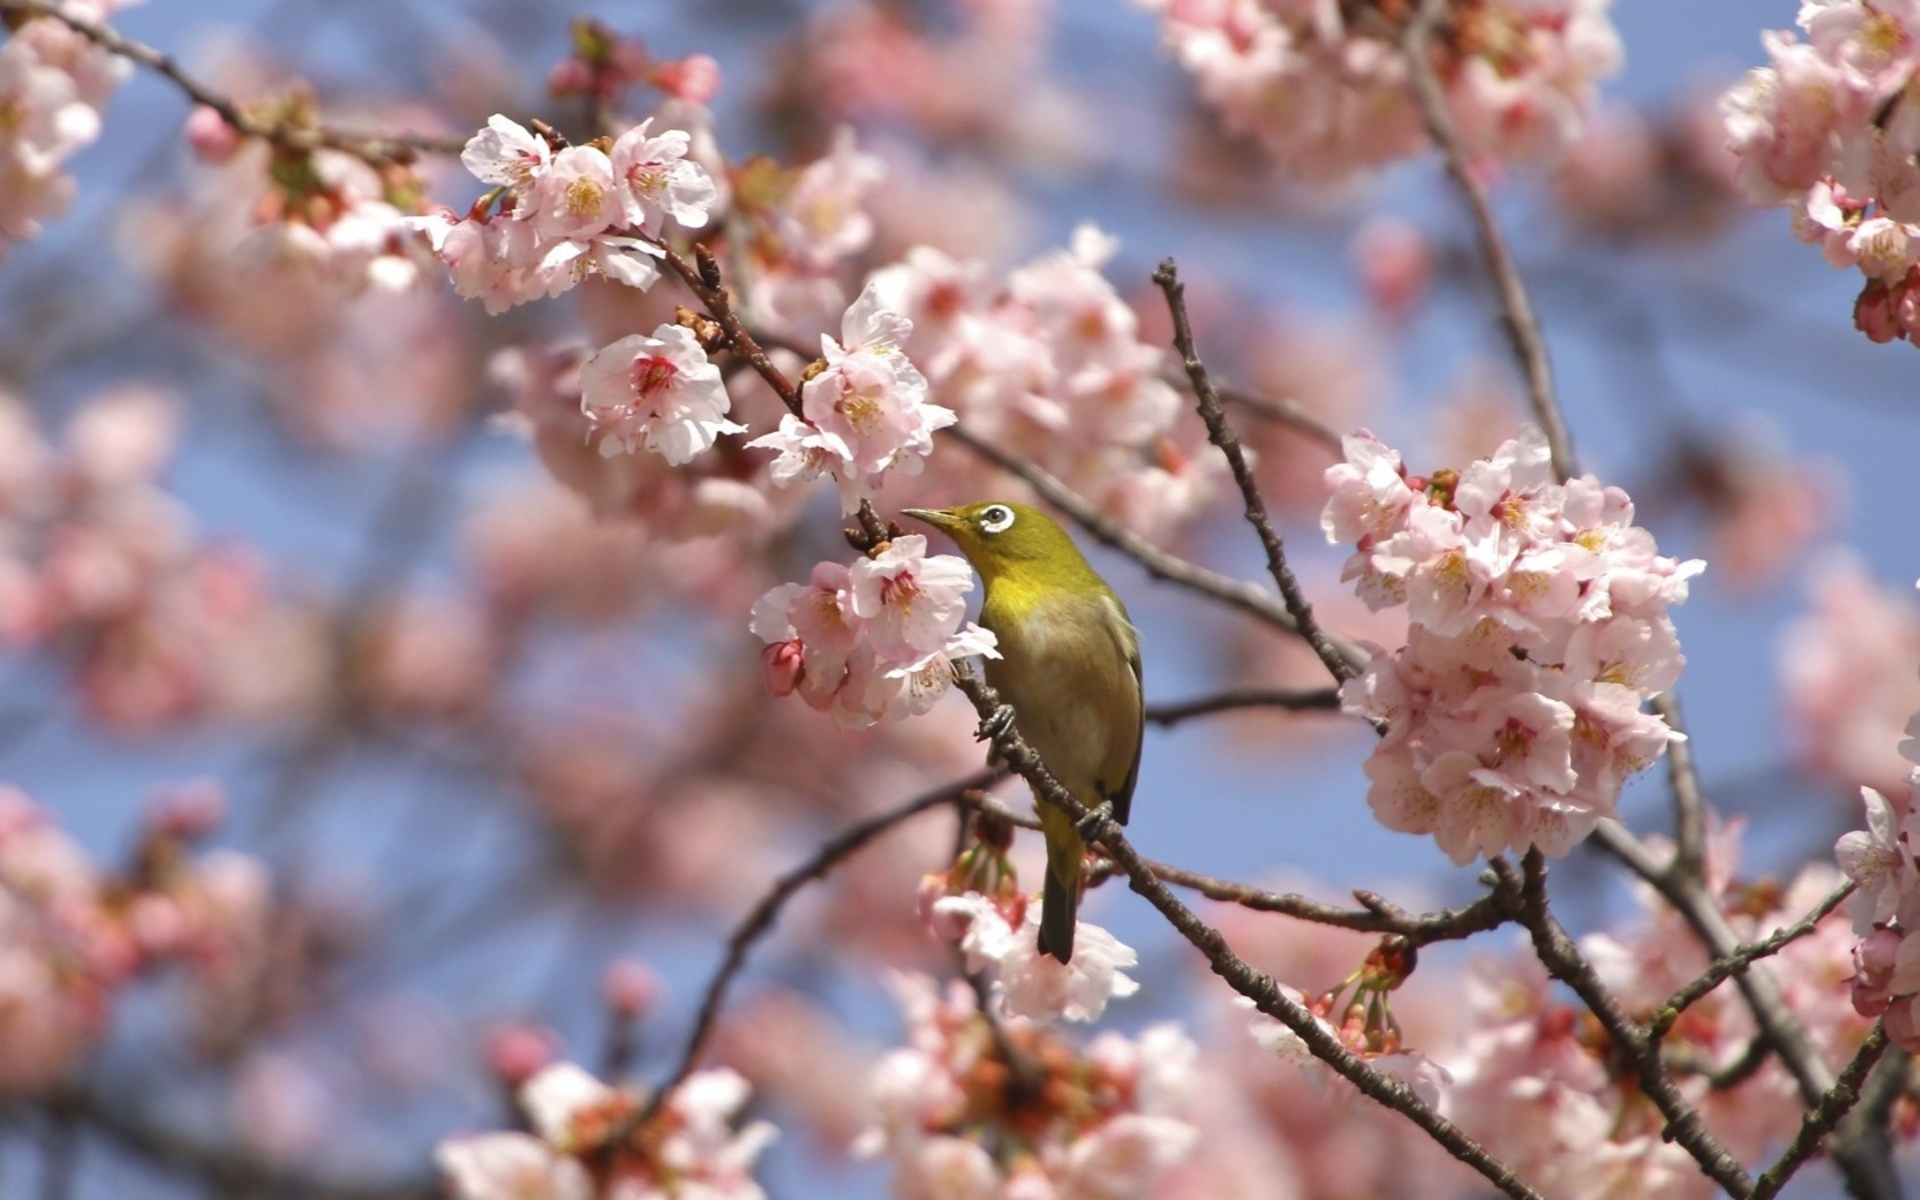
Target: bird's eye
[(996, 518)]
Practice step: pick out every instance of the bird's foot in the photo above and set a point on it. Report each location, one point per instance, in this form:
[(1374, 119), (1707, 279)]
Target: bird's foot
[(1095, 816), (994, 725)]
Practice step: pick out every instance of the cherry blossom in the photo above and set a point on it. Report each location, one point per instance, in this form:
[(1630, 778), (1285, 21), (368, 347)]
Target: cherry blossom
[(872, 641), (1827, 130), (561, 214), (865, 414), (1029, 983), (1107, 1121), (53, 85), (1847, 679), (1055, 349), (660, 390), (572, 1114), (1538, 625), (1327, 94)]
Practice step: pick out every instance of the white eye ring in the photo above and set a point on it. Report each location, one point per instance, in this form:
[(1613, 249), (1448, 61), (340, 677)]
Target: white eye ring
[(996, 518)]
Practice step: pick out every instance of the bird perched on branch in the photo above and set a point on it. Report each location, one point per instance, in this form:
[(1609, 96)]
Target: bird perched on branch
[(1070, 669)]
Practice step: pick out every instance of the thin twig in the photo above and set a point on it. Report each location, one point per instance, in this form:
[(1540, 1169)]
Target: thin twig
[(1516, 308), (1723, 968), (223, 1169), (1563, 960), (1376, 915), (1292, 699), (703, 280), (1221, 434), (1815, 1126), (1261, 989), (374, 148), (1689, 804), (757, 922), (1284, 410)]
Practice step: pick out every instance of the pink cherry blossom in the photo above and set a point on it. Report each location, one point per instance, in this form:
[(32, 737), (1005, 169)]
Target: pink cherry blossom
[(557, 217), (1827, 130), (886, 655), (655, 180), (660, 390), (866, 414), (1108, 1121), (1538, 625), (1329, 98), (1031, 984)]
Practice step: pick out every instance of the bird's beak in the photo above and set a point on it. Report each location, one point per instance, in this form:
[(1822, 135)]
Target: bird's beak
[(939, 518)]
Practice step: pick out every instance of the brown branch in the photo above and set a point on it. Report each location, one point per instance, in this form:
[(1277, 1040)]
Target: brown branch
[(223, 1168), (1261, 989), (1865, 1172), (1820, 1121), (758, 921), (1516, 308), (1221, 434), (704, 281), (1563, 960), (1291, 699), (373, 147), (1725, 967), (1376, 914), (1282, 409), (1689, 804)]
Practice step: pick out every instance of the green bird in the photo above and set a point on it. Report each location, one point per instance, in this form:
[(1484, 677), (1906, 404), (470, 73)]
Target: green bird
[(1069, 666)]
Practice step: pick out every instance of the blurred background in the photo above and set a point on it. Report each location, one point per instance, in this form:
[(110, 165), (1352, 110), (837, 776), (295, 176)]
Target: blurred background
[(458, 771)]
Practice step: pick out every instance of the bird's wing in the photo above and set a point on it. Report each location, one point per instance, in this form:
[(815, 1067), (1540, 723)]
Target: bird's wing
[(1127, 638)]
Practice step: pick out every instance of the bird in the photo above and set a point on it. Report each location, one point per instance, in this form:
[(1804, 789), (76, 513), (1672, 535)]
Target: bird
[(1069, 666)]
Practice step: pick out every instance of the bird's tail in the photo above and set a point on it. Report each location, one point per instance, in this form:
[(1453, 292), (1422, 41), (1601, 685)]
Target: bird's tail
[(1060, 898)]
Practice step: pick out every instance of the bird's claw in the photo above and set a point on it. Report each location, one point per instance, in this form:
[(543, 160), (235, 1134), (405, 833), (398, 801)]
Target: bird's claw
[(993, 726), (1095, 816)]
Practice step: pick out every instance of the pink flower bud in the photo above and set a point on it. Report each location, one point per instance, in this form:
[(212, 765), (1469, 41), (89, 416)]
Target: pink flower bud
[(784, 669), (210, 136), (629, 988), (1873, 313), (695, 78), (516, 1053)]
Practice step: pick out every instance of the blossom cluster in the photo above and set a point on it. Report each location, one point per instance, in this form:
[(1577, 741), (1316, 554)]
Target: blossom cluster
[(554, 217), (658, 389), (1542, 1086), (1880, 860), (689, 1147), (1847, 682), (73, 936), (1327, 93), (53, 85), (101, 566), (799, 227), (864, 413), (1051, 366), (958, 1119), (999, 935), (874, 640), (1831, 130), (1537, 624)]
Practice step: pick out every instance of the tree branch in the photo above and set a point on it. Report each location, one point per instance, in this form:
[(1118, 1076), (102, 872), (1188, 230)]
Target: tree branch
[(1221, 434), (372, 147), (1516, 308), (758, 921), (1563, 960), (1819, 1122), (1261, 989)]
